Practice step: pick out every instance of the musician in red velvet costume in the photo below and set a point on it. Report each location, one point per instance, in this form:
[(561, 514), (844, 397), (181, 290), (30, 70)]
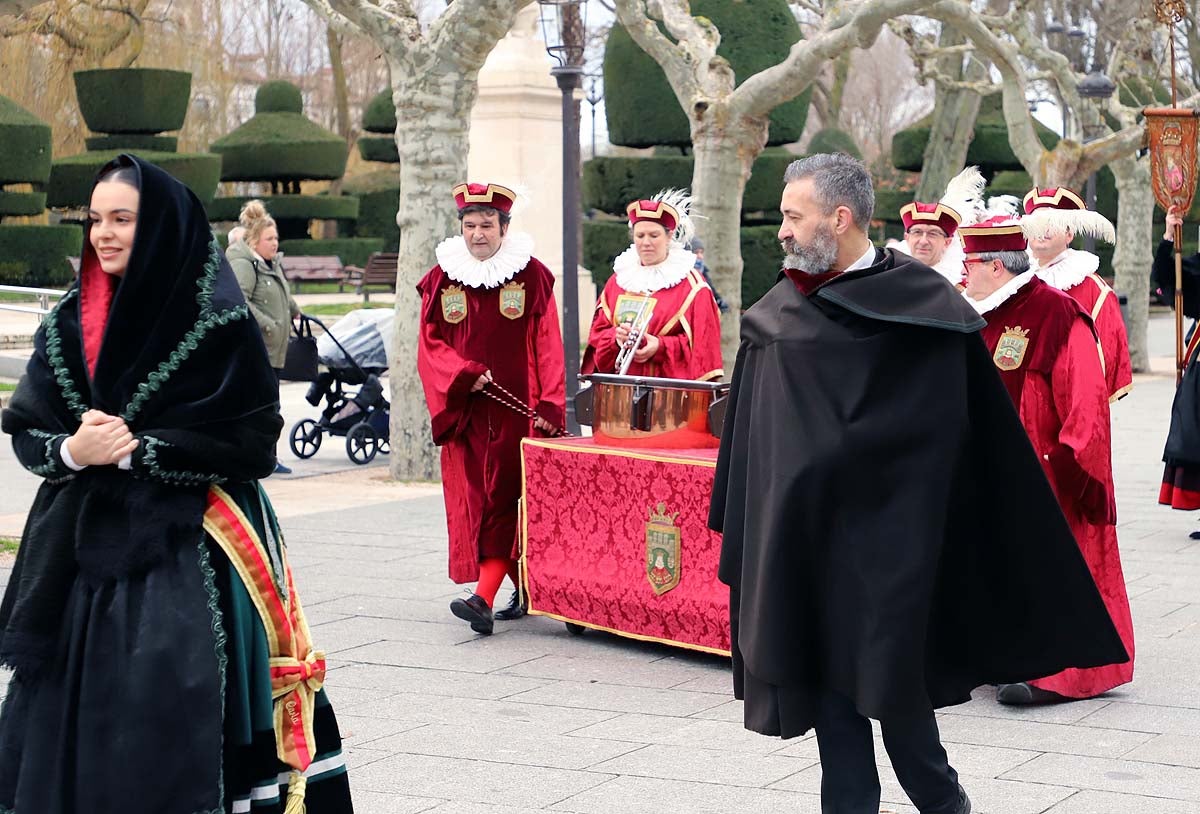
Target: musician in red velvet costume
[(657, 274), (1053, 217), (1044, 345), (488, 314)]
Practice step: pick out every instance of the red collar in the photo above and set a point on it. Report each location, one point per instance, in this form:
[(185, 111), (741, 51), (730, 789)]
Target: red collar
[(808, 283)]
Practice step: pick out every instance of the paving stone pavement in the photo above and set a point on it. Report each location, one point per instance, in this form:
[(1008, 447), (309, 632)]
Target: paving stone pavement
[(436, 719)]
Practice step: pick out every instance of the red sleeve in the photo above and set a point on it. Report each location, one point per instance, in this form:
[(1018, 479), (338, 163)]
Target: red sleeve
[(548, 376), (705, 320), (1082, 462), (1118, 370), (601, 354), (446, 377)]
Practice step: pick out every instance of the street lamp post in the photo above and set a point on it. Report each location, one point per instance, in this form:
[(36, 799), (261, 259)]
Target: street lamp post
[(1094, 86), (563, 26)]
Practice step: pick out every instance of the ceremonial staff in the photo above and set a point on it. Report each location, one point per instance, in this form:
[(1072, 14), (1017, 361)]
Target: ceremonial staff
[(1172, 132)]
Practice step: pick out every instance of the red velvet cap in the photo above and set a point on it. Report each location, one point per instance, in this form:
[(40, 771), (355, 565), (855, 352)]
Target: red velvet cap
[(1001, 233), (931, 214), (1052, 198), (656, 211), (492, 195)]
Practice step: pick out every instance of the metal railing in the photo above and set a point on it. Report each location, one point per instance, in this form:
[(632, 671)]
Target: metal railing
[(42, 295)]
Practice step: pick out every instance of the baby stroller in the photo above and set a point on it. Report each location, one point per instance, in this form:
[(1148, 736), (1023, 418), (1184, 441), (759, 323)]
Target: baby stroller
[(354, 352)]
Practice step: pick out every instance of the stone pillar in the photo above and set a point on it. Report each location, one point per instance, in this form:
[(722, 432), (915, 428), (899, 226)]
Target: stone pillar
[(516, 139)]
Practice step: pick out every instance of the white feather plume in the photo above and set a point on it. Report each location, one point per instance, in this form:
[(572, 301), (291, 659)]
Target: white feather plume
[(681, 201), (1047, 220), (964, 193), (1004, 205)]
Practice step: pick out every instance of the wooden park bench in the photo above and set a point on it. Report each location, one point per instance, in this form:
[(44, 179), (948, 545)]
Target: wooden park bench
[(313, 269), (379, 272)]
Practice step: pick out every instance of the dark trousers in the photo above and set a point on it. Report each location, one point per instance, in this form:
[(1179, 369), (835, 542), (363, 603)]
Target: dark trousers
[(849, 779)]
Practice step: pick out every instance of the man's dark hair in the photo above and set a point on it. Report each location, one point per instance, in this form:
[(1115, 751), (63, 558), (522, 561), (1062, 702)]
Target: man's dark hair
[(1013, 262), (838, 180), (480, 209)]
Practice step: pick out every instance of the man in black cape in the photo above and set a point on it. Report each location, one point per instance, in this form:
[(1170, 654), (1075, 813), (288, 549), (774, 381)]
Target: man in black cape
[(881, 504)]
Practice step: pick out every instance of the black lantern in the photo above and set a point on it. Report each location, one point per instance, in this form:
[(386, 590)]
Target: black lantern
[(564, 28)]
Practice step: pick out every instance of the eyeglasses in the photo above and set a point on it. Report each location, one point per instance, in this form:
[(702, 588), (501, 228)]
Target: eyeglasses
[(975, 261), (932, 234)]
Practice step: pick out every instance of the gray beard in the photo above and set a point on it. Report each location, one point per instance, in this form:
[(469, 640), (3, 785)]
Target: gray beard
[(817, 257)]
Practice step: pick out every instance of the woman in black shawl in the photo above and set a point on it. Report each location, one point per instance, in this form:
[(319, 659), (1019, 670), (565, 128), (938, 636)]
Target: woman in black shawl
[(138, 618)]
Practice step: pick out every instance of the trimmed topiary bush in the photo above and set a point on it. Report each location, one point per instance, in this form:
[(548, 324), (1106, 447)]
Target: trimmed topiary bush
[(833, 140), (352, 251), (133, 100), (989, 150), (133, 142), (603, 240), (25, 157), (888, 203), (279, 144), (72, 177), (765, 185), (378, 196), (289, 207), (640, 107), (378, 148), (22, 203), (37, 255), (380, 114)]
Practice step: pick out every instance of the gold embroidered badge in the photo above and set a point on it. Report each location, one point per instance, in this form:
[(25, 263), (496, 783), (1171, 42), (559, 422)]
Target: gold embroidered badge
[(512, 300), (454, 304), (662, 550), (1010, 350), (629, 306)]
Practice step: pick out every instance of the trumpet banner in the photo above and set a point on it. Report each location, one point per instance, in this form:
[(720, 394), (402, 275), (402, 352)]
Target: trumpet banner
[(1172, 133)]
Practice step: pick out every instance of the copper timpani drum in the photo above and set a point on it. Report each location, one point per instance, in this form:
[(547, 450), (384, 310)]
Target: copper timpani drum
[(645, 411)]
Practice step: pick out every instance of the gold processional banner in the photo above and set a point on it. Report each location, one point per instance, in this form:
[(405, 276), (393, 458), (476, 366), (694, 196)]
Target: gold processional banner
[(1173, 133)]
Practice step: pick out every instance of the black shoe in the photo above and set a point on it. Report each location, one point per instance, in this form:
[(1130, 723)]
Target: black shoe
[(280, 469), (964, 802), (515, 609), (474, 610), (1024, 694)]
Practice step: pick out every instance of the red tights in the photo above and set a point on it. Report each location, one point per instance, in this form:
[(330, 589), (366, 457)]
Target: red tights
[(492, 571)]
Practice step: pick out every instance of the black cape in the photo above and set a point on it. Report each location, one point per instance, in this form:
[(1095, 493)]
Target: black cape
[(888, 532), (109, 618), (1163, 272)]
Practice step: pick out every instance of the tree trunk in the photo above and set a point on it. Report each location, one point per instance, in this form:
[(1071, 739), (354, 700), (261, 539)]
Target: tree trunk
[(433, 110), (725, 148), (954, 114), (1135, 211)]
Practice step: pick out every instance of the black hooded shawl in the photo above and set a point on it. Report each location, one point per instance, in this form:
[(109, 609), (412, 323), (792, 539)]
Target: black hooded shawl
[(888, 532), (184, 365)]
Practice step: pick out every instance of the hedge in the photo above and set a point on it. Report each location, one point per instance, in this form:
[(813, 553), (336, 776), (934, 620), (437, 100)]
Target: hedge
[(133, 100), (378, 148), (833, 140), (888, 203), (71, 178), (37, 255), (989, 150), (350, 250), (24, 145), (288, 207), (761, 255), (133, 141), (640, 107), (609, 184), (278, 96), (22, 203), (380, 114), (280, 146)]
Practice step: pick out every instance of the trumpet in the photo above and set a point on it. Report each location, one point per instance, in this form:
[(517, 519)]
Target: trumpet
[(637, 330)]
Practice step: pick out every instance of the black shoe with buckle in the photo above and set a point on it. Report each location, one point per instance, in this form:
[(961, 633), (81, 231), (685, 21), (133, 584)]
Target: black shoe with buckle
[(515, 609), (474, 610)]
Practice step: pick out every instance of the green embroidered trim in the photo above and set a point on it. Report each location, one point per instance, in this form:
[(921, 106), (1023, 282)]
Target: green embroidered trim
[(174, 476), (52, 465), (209, 319), (59, 365), (219, 640)]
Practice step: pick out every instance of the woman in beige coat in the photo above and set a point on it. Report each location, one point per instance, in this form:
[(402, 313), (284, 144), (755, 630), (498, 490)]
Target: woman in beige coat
[(258, 265)]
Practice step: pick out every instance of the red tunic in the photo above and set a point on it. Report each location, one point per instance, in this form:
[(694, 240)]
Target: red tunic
[(685, 320), (1098, 299), (1054, 376), (511, 330)]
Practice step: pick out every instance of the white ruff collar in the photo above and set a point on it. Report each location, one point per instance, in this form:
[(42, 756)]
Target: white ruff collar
[(633, 276), (1067, 270), (456, 260), (992, 301), (951, 264)]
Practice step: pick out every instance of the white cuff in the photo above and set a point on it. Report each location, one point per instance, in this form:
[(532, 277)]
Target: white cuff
[(67, 460), (126, 462)]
